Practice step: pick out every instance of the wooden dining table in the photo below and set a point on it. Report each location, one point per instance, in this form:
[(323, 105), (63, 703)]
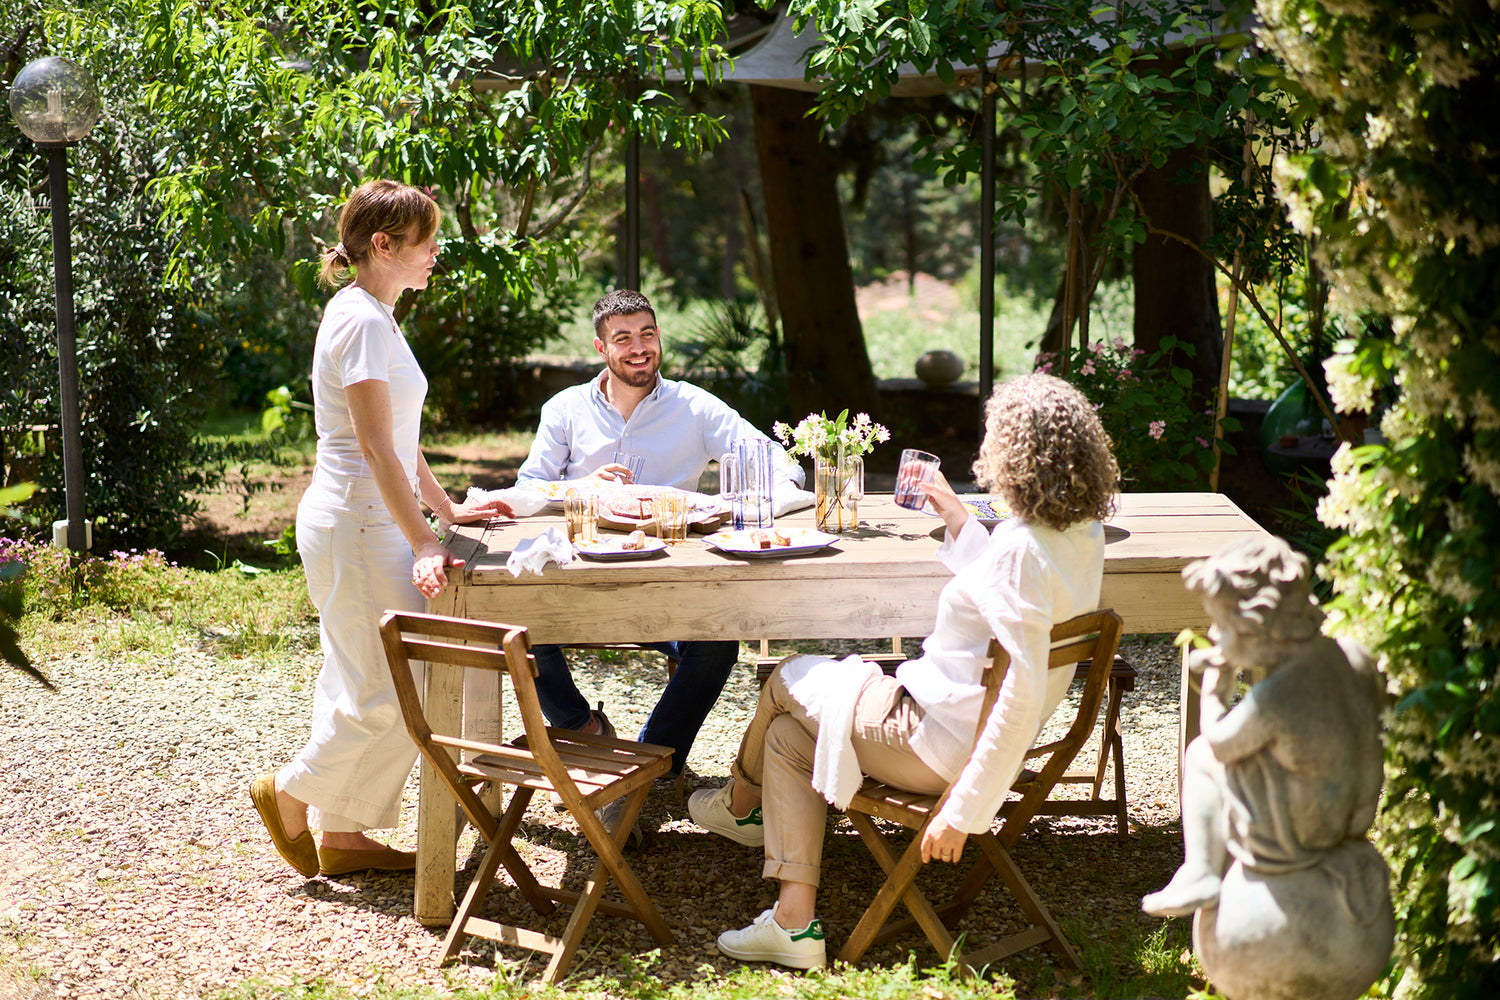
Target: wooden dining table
[(878, 581)]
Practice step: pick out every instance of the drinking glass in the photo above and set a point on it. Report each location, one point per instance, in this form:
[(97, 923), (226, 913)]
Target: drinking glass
[(581, 508), (671, 515), (916, 467), (745, 479), (631, 461)]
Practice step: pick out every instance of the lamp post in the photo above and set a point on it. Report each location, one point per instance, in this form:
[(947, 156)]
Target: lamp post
[(55, 102)]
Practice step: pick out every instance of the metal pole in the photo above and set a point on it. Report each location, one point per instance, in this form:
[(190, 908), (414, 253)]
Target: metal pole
[(67, 347), (986, 243), (633, 206)]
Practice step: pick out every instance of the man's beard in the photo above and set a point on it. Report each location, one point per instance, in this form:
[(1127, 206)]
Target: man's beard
[(635, 378)]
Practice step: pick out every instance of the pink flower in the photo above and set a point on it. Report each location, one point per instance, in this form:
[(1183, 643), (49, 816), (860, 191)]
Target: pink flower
[(1202, 443), (1158, 428), (1088, 367)]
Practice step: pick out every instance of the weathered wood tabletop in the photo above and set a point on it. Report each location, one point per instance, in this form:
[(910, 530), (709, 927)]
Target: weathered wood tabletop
[(880, 581)]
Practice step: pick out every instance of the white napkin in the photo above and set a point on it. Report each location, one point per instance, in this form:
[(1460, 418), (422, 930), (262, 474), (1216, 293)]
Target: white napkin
[(828, 689), (533, 554), (524, 498), (786, 498)]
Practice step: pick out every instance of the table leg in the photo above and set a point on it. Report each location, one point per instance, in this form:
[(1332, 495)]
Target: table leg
[(437, 810), (1187, 717)]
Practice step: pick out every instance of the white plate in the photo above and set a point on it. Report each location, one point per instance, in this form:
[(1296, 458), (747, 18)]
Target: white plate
[(605, 551), (739, 543)]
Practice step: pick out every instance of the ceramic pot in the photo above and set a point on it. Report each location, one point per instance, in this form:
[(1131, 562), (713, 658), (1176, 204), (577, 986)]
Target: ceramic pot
[(940, 367)]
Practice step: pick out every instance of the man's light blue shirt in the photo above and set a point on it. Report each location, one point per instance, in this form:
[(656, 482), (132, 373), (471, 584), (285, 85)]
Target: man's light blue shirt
[(678, 429)]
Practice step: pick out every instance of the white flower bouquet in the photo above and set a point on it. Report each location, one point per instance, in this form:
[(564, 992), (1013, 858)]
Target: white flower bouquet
[(816, 436)]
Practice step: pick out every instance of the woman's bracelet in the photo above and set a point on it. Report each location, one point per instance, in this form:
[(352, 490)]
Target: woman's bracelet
[(447, 501)]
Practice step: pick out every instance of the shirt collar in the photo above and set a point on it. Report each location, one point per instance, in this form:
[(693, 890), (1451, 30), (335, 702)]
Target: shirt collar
[(598, 387)]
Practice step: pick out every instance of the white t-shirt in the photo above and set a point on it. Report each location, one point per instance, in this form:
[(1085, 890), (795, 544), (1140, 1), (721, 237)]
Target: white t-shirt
[(359, 340), (1013, 585)]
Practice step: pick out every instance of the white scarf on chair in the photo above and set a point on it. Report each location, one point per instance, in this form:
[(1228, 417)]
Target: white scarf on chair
[(828, 690)]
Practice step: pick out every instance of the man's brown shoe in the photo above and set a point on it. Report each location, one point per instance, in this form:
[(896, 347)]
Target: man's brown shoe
[(301, 853), (333, 861)]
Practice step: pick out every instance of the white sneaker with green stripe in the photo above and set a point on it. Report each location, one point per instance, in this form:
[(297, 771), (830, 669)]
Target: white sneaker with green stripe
[(709, 808), (767, 941)]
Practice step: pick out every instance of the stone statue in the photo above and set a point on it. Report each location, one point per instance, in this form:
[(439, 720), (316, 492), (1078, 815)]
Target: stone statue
[(1291, 902)]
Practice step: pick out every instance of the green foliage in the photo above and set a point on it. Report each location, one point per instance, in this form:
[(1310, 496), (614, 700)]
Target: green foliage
[(1145, 404), (286, 415), (291, 110), (1137, 960), (125, 602), (142, 348), (467, 343), (1104, 100), (13, 568), (735, 356), (1401, 199)]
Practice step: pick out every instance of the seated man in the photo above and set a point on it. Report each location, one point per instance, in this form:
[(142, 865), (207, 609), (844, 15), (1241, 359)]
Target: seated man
[(677, 428)]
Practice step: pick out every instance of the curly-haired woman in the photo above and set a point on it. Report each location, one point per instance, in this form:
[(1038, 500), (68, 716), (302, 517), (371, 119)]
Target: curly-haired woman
[(822, 725)]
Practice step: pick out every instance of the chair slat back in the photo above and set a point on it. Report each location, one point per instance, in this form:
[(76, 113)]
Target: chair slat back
[(1095, 637), (1094, 634), (412, 636)]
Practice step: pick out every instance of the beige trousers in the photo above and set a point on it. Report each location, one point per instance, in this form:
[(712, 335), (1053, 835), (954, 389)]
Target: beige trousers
[(776, 760)]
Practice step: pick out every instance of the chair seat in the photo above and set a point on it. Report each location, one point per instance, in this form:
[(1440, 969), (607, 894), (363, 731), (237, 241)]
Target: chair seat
[(602, 768)]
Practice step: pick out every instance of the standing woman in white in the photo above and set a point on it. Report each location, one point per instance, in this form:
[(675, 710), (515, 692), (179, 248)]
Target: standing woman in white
[(364, 541)]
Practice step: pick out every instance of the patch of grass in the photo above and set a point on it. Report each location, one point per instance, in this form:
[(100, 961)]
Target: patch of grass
[(638, 982), (1138, 960), (139, 604)]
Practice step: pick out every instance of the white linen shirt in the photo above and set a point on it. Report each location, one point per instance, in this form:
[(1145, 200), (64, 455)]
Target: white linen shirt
[(1013, 585), (678, 429), (357, 341)]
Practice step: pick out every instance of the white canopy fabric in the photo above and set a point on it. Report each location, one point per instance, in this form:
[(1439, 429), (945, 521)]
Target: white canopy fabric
[(779, 59)]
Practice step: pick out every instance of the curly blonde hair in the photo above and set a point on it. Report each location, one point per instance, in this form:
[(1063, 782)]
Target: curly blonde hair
[(1046, 453)]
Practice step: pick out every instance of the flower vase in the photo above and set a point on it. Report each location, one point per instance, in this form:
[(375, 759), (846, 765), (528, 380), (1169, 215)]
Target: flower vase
[(838, 484)]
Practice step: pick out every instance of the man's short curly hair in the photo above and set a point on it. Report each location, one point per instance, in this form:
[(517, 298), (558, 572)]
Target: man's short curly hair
[(1046, 453), (620, 302)]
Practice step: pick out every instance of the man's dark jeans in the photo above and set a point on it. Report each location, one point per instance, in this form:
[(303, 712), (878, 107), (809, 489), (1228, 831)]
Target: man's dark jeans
[(702, 669)]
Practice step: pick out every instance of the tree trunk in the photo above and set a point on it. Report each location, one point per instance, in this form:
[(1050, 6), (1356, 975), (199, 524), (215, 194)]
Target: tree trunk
[(1174, 285), (829, 368), (1088, 228)]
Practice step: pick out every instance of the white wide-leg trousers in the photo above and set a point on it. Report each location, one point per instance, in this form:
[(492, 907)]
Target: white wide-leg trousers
[(358, 564)]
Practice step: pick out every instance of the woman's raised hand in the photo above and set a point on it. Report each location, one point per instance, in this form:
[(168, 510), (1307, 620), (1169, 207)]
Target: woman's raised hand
[(946, 502)]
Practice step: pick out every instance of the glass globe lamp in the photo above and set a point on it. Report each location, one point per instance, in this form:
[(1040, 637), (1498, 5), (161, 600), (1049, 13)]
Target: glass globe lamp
[(54, 101)]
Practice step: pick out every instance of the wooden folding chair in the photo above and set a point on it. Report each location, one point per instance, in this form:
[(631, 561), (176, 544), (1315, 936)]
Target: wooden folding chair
[(1094, 636), (587, 772)]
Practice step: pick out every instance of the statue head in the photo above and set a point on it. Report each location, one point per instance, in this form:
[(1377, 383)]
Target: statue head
[(1258, 594)]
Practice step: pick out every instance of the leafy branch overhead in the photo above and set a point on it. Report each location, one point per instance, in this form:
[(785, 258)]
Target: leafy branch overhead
[(492, 104)]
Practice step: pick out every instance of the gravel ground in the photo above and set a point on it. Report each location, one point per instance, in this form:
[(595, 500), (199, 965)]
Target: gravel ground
[(135, 866)]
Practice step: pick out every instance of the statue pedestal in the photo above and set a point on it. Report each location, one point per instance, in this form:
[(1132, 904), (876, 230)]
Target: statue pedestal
[(1322, 933)]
